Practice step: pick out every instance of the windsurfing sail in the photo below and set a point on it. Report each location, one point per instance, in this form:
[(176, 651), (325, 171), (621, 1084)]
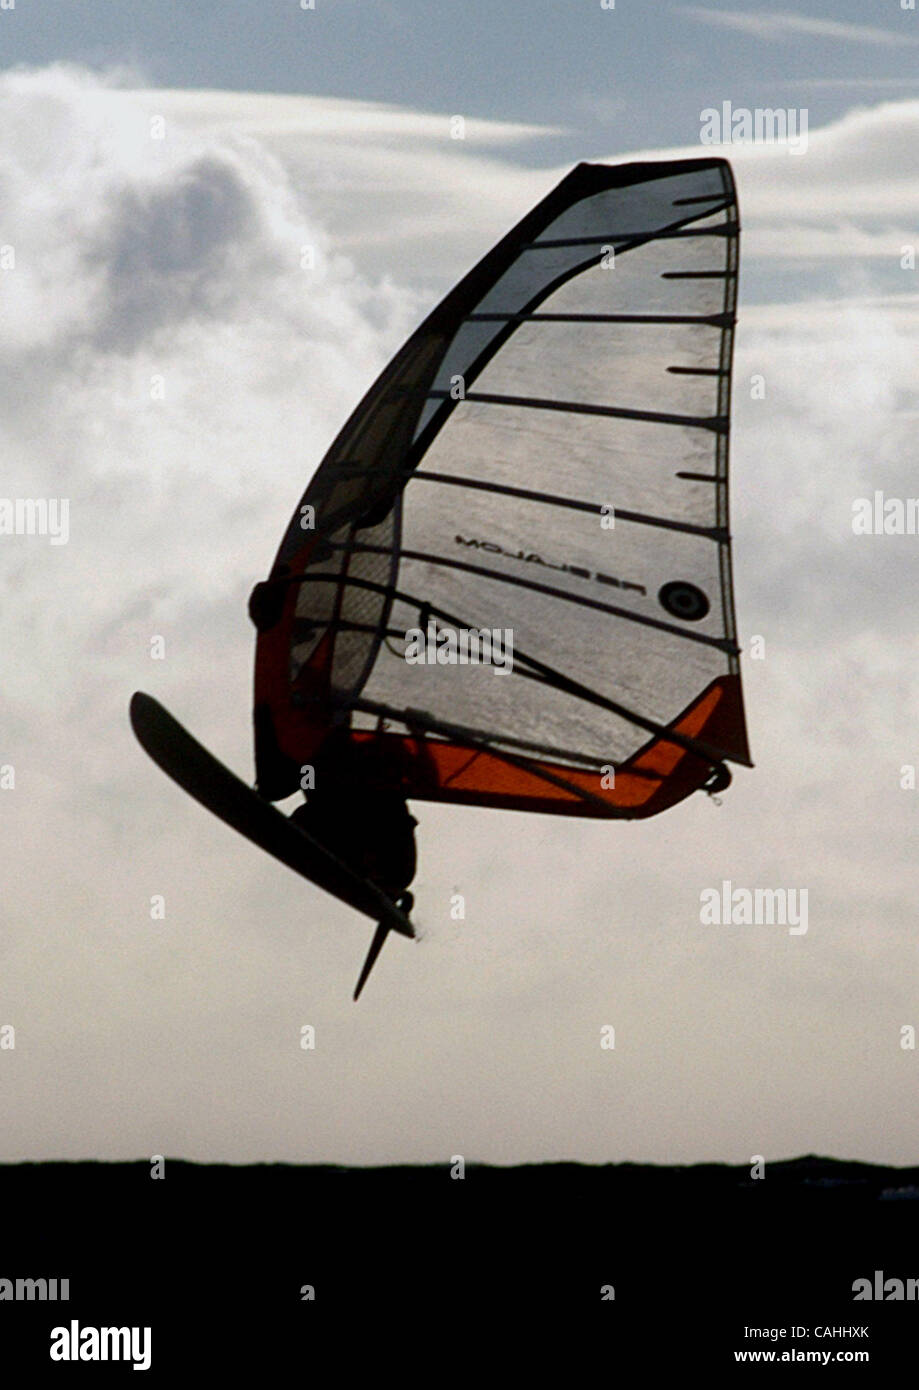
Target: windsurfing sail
[(545, 460)]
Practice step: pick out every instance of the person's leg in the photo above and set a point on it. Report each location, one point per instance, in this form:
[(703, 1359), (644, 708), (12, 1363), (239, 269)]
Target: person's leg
[(391, 856), (320, 819), (375, 838)]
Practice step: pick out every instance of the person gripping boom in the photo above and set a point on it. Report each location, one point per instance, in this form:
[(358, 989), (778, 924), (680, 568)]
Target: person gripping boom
[(358, 811)]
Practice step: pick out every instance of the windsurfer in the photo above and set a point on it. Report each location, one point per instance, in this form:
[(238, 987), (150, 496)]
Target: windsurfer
[(358, 811)]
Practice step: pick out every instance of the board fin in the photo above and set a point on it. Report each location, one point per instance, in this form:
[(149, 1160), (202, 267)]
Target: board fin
[(376, 946), (405, 902)]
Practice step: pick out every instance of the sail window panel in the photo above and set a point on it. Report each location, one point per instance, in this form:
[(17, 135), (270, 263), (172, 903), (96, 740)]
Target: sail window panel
[(653, 672), (624, 463), (621, 365), (470, 340), (523, 541), (640, 207), (530, 275), (635, 282)]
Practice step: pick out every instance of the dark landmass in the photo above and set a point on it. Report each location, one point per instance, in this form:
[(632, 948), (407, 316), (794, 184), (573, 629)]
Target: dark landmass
[(220, 1260)]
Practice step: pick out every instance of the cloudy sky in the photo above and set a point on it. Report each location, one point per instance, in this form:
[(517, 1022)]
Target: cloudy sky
[(171, 370)]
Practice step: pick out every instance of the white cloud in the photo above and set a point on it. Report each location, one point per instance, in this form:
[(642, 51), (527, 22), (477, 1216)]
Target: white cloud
[(376, 176), (783, 24), (868, 84), (854, 193), (272, 116)]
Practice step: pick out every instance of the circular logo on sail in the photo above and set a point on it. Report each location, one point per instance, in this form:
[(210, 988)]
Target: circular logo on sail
[(683, 600)]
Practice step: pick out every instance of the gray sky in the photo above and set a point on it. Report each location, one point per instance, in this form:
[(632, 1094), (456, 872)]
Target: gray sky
[(140, 261)]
